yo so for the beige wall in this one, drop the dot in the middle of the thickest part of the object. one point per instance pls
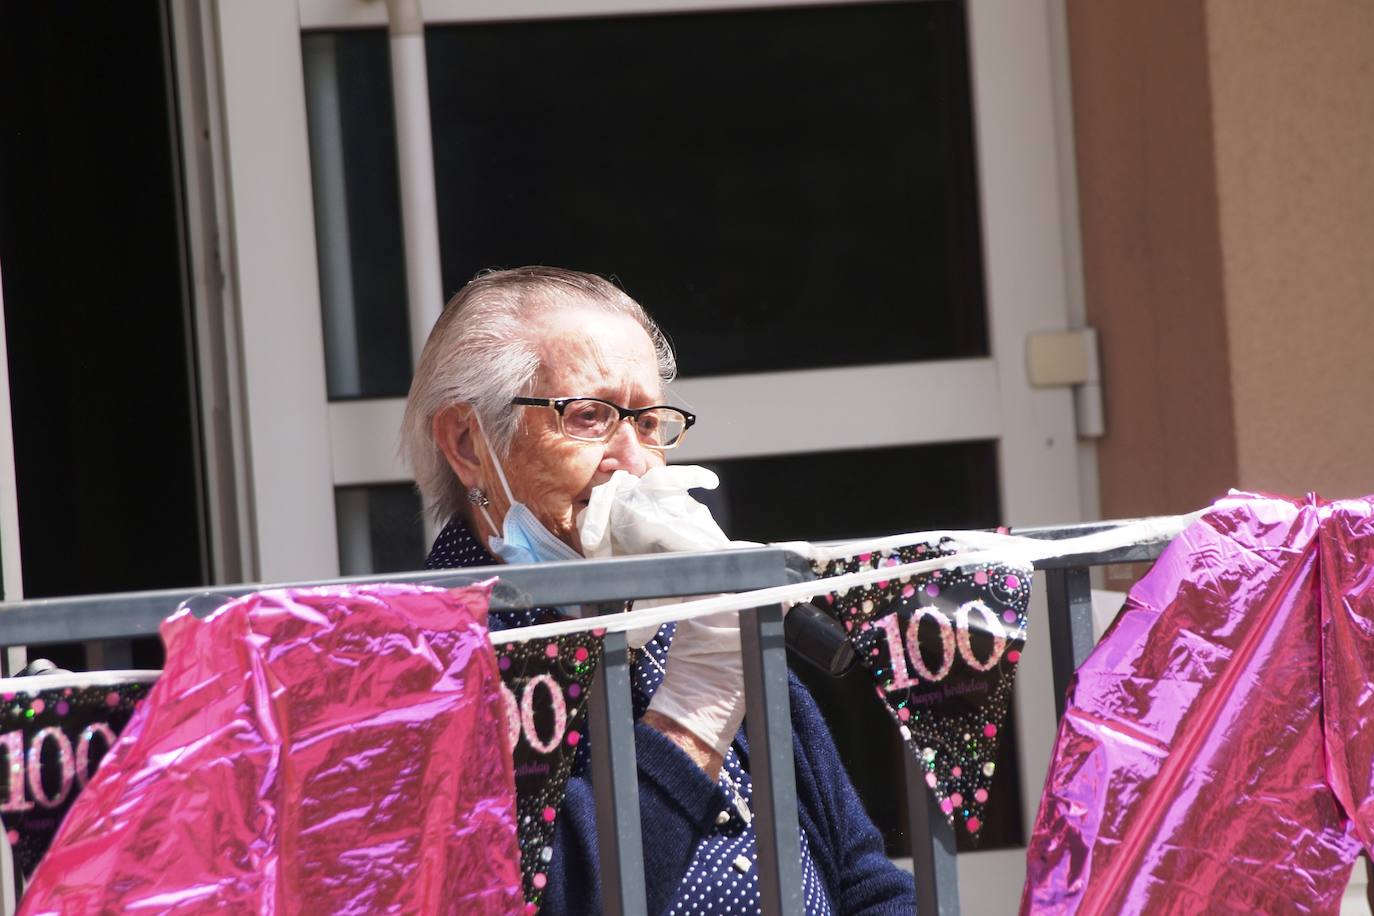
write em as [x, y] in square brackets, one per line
[1293, 116]
[1226, 179]
[1151, 253]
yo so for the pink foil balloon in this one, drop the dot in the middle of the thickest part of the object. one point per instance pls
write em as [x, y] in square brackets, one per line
[1217, 754]
[331, 750]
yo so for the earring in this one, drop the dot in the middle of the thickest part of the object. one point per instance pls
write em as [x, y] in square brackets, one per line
[477, 497]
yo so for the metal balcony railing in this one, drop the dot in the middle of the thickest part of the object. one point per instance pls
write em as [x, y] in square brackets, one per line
[114, 619]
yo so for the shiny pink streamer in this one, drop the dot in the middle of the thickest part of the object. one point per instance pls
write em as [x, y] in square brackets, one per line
[1217, 754]
[331, 750]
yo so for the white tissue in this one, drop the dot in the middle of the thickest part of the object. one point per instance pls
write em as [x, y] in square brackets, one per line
[703, 688]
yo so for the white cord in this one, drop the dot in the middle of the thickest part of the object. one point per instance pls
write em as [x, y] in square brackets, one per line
[989, 548]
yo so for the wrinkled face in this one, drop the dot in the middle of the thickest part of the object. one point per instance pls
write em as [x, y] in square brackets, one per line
[583, 353]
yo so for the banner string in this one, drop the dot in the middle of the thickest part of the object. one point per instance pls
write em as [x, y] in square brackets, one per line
[986, 548]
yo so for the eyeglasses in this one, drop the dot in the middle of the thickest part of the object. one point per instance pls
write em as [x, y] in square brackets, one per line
[594, 420]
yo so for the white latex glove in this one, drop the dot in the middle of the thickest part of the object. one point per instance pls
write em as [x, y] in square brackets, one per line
[703, 688]
[629, 515]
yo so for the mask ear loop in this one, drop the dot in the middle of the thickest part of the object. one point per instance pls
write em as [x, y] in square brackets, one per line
[500, 474]
[480, 502]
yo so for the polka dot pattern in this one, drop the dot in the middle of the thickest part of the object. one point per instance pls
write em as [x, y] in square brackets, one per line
[715, 881]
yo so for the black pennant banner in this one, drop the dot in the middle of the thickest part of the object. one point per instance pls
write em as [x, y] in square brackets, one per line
[942, 648]
[545, 683]
[54, 731]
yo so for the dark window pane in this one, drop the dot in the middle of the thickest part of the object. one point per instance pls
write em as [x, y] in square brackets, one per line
[380, 529]
[823, 496]
[772, 184]
[832, 495]
[357, 214]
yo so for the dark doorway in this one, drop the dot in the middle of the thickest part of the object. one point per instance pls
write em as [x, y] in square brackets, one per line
[96, 306]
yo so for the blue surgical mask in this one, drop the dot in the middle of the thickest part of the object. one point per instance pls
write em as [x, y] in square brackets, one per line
[523, 538]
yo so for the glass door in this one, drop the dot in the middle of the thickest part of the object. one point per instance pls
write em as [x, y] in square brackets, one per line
[848, 216]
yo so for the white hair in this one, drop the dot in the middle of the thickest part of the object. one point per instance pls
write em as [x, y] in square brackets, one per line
[481, 352]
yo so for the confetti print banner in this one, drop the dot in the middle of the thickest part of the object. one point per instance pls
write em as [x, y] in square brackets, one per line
[545, 683]
[54, 731]
[942, 648]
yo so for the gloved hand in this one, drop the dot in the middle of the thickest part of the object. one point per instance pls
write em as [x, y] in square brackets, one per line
[629, 515]
[703, 687]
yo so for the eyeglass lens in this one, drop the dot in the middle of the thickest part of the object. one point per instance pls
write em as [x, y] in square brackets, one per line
[593, 420]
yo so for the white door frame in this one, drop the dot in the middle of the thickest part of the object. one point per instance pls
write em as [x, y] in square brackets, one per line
[1029, 245]
[300, 446]
[275, 284]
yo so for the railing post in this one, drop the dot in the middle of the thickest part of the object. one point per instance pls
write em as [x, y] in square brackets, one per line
[1068, 593]
[615, 781]
[768, 716]
[932, 846]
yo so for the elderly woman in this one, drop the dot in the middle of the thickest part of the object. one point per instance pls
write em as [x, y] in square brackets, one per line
[514, 418]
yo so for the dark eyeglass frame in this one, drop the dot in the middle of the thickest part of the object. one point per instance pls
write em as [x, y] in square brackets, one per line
[558, 405]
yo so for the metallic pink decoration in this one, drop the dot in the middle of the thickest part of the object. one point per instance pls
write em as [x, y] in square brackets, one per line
[1218, 750]
[331, 750]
